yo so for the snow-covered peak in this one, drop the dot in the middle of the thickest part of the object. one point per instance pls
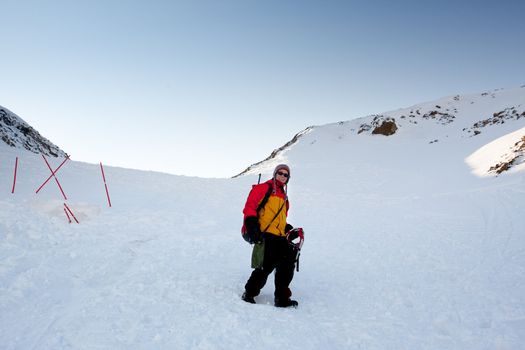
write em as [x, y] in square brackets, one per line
[460, 122]
[15, 132]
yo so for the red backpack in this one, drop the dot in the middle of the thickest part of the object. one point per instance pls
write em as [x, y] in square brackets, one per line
[261, 205]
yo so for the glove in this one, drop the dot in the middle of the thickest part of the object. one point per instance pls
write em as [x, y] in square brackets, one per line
[252, 229]
[288, 228]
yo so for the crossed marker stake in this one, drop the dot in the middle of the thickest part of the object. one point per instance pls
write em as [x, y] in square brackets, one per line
[53, 174]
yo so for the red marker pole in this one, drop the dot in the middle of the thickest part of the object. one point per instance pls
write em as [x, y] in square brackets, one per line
[68, 218]
[14, 177]
[105, 185]
[70, 212]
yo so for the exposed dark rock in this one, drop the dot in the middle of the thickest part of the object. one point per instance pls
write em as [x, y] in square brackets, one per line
[518, 152]
[363, 128]
[387, 128]
[17, 133]
[497, 118]
[380, 125]
[442, 118]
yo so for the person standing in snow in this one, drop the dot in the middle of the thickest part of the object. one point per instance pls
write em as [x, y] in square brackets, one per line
[267, 227]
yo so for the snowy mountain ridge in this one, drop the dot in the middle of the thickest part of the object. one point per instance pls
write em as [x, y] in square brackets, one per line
[458, 116]
[15, 132]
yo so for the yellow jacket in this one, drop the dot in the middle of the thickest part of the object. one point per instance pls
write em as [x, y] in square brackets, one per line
[268, 221]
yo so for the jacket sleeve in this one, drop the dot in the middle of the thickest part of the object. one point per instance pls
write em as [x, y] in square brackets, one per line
[254, 198]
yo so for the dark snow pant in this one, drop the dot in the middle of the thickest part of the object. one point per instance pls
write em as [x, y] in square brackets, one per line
[278, 256]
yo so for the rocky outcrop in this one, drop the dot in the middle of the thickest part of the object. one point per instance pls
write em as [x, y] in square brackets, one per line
[435, 115]
[387, 128]
[516, 157]
[500, 117]
[380, 125]
[17, 133]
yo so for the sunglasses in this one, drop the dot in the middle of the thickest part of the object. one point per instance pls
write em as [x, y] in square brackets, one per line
[282, 174]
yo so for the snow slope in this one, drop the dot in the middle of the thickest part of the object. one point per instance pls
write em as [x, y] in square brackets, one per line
[405, 248]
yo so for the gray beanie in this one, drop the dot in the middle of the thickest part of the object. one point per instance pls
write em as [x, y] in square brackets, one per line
[281, 167]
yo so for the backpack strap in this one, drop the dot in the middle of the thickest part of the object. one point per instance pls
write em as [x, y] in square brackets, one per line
[276, 215]
[265, 199]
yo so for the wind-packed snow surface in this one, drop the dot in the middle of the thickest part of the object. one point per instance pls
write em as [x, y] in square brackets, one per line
[406, 247]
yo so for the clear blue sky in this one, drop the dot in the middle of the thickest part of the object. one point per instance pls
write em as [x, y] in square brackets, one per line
[207, 87]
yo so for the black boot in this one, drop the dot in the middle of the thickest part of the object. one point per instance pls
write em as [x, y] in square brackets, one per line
[286, 303]
[248, 298]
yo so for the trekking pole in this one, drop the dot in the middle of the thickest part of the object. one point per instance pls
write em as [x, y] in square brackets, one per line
[259, 181]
